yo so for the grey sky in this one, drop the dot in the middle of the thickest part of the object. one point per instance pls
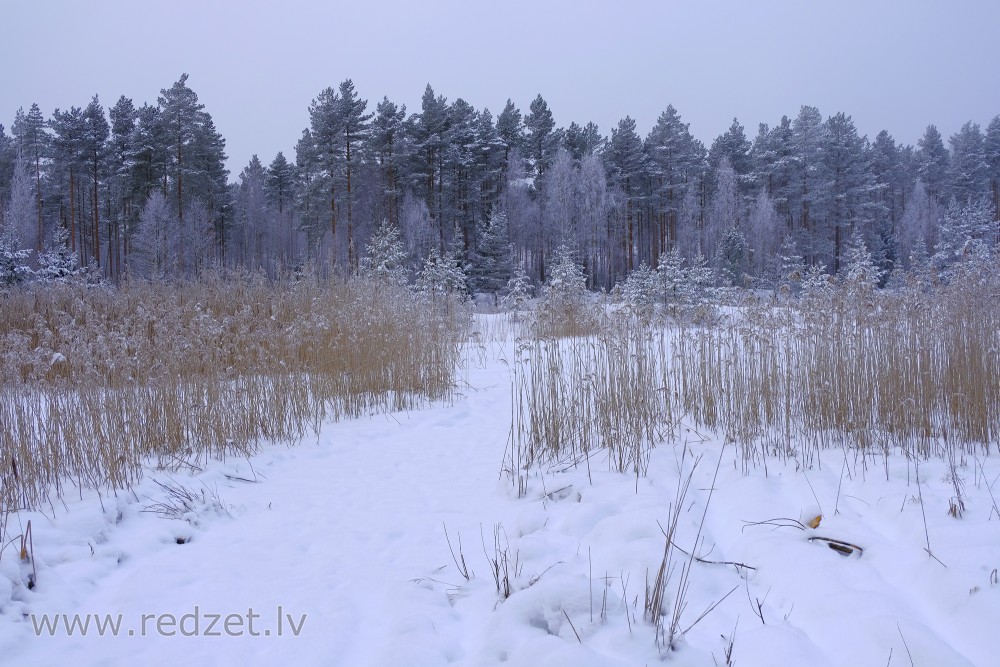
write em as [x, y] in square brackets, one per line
[893, 64]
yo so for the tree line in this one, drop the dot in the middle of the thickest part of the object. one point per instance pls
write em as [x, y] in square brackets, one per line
[145, 190]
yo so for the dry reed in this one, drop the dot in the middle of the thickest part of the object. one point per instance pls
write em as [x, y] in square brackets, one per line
[97, 381]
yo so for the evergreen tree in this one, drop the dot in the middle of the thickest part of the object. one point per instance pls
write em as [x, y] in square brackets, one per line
[791, 267]
[121, 196]
[887, 194]
[582, 141]
[386, 143]
[58, 263]
[991, 151]
[195, 157]
[626, 166]
[8, 156]
[809, 188]
[442, 275]
[966, 231]
[932, 163]
[773, 158]
[861, 274]
[542, 140]
[94, 151]
[67, 170]
[850, 186]
[510, 129]
[385, 259]
[493, 266]
[428, 132]
[734, 147]
[518, 291]
[675, 164]
[731, 256]
[252, 237]
[968, 170]
[354, 127]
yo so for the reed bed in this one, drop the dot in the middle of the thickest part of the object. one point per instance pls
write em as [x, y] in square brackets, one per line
[913, 369]
[97, 382]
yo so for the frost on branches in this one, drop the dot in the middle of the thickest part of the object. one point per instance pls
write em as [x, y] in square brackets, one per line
[58, 263]
[441, 275]
[386, 260]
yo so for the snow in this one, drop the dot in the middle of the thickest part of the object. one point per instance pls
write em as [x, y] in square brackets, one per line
[348, 528]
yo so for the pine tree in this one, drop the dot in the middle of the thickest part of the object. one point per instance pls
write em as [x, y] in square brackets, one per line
[861, 274]
[731, 256]
[442, 275]
[354, 124]
[385, 259]
[968, 170]
[966, 231]
[791, 267]
[121, 196]
[809, 187]
[733, 147]
[542, 140]
[492, 267]
[67, 167]
[510, 129]
[640, 291]
[932, 163]
[518, 291]
[626, 164]
[773, 157]
[195, 158]
[8, 156]
[387, 143]
[58, 263]
[850, 186]
[991, 151]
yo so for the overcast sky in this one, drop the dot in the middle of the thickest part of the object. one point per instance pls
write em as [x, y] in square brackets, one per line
[256, 65]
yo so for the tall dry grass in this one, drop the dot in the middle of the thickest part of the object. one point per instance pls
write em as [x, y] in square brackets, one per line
[915, 369]
[95, 382]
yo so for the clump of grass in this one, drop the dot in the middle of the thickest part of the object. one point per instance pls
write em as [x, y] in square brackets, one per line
[95, 381]
[911, 369]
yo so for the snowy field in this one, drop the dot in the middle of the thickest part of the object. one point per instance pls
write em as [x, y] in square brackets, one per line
[391, 539]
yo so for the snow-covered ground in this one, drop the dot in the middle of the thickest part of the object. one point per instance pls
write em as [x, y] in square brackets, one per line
[348, 535]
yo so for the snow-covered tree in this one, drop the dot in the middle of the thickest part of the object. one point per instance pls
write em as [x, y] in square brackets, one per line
[20, 213]
[791, 267]
[492, 266]
[723, 210]
[763, 229]
[968, 171]
[641, 289]
[518, 292]
[932, 163]
[385, 259]
[966, 230]
[731, 257]
[58, 263]
[442, 275]
[861, 275]
[918, 227]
